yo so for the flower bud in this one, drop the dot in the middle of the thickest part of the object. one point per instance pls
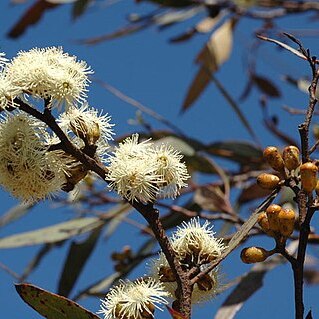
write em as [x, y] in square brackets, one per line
[286, 219]
[264, 224]
[274, 159]
[272, 214]
[308, 175]
[166, 274]
[291, 157]
[268, 181]
[252, 255]
[147, 312]
[206, 283]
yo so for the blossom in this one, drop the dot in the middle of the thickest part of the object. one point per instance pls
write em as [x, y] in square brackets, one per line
[133, 300]
[205, 289]
[195, 246]
[144, 172]
[173, 172]
[3, 61]
[49, 73]
[7, 92]
[27, 169]
[198, 241]
[88, 125]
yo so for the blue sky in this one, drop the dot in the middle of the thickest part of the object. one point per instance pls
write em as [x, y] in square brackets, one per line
[146, 67]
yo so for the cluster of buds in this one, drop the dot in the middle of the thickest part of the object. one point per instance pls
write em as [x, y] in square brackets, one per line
[285, 165]
[276, 222]
[122, 259]
[288, 161]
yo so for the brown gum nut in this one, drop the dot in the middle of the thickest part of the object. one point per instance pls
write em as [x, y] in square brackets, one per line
[317, 187]
[252, 255]
[286, 219]
[308, 175]
[274, 159]
[290, 156]
[268, 181]
[148, 313]
[272, 214]
[166, 274]
[264, 224]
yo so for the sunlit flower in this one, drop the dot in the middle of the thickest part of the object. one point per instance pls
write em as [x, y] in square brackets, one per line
[86, 124]
[3, 61]
[50, 73]
[133, 300]
[196, 241]
[27, 169]
[144, 172]
[7, 92]
[133, 179]
[173, 172]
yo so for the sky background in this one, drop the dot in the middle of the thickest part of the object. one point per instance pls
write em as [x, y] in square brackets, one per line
[156, 73]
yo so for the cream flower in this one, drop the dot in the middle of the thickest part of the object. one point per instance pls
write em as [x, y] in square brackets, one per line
[3, 61]
[7, 92]
[173, 172]
[143, 172]
[196, 241]
[204, 290]
[133, 300]
[86, 124]
[27, 170]
[50, 73]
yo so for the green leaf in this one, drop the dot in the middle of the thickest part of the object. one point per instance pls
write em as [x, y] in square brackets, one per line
[52, 306]
[52, 234]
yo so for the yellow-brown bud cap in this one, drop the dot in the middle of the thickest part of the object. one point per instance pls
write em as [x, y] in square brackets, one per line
[272, 214]
[290, 156]
[308, 175]
[274, 159]
[286, 219]
[252, 255]
[264, 224]
[268, 181]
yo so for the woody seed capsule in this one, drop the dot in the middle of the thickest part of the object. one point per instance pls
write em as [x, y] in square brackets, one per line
[308, 175]
[268, 181]
[291, 157]
[274, 159]
[252, 255]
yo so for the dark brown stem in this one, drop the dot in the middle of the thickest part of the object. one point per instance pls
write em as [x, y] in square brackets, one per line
[184, 292]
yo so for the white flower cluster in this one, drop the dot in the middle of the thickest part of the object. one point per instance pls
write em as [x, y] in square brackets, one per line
[133, 300]
[137, 171]
[144, 172]
[195, 246]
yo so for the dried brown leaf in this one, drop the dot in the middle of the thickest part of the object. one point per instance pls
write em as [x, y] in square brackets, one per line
[32, 16]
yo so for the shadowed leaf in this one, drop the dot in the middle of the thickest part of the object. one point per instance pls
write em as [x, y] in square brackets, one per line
[32, 16]
[52, 234]
[212, 198]
[266, 86]
[77, 257]
[238, 151]
[216, 51]
[252, 192]
[52, 306]
[79, 8]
